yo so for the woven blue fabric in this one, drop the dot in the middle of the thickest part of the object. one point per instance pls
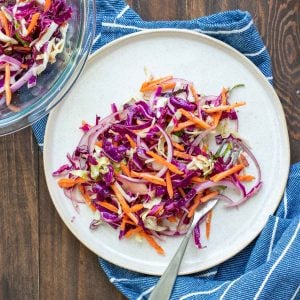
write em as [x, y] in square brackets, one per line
[269, 268]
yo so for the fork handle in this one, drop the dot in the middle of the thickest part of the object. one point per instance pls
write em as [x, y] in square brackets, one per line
[166, 282]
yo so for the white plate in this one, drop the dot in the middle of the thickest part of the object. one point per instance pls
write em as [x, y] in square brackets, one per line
[114, 74]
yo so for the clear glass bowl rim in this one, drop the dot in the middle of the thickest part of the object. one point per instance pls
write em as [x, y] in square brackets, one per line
[47, 102]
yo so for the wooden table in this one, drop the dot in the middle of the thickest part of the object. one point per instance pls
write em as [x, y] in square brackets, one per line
[39, 258]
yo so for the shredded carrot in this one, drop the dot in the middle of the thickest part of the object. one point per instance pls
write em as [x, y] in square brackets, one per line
[148, 177]
[197, 180]
[205, 147]
[194, 119]
[4, 23]
[160, 208]
[136, 207]
[123, 223]
[227, 173]
[183, 125]
[208, 224]
[221, 108]
[181, 191]
[162, 161]
[217, 115]
[182, 155]
[24, 66]
[130, 222]
[99, 144]
[47, 5]
[125, 169]
[178, 146]
[123, 203]
[116, 172]
[194, 93]
[14, 108]
[130, 140]
[172, 219]
[169, 185]
[70, 182]
[158, 80]
[168, 86]
[154, 83]
[7, 84]
[120, 198]
[133, 231]
[165, 86]
[196, 203]
[21, 48]
[133, 218]
[108, 206]
[209, 196]
[33, 23]
[152, 242]
[245, 177]
[86, 197]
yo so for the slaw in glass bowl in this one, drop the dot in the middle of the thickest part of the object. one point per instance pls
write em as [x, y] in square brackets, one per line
[53, 84]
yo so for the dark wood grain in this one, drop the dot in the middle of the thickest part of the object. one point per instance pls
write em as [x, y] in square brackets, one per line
[39, 257]
[280, 28]
[19, 255]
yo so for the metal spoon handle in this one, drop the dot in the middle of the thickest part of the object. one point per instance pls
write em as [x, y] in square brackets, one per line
[164, 287]
[166, 282]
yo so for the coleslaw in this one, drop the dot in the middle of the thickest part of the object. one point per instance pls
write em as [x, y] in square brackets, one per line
[32, 34]
[148, 166]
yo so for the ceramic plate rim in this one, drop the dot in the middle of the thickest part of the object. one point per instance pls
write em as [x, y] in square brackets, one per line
[280, 116]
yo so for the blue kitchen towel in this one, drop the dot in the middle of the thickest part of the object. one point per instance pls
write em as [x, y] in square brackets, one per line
[269, 268]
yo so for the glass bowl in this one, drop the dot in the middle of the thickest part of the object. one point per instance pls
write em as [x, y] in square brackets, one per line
[58, 78]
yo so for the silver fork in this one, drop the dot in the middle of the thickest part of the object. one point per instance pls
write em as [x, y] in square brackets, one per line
[164, 287]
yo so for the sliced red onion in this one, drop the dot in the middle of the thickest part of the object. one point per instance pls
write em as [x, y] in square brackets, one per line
[248, 151]
[251, 193]
[199, 138]
[95, 224]
[24, 79]
[182, 81]
[90, 137]
[175, 232]
[10, 60]
[239, 185]
[71, 194]
[128, 198]
[169, 151]
[224, 198]
[141, 143]
[135, 186]
[158, 236]
[210, 184]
